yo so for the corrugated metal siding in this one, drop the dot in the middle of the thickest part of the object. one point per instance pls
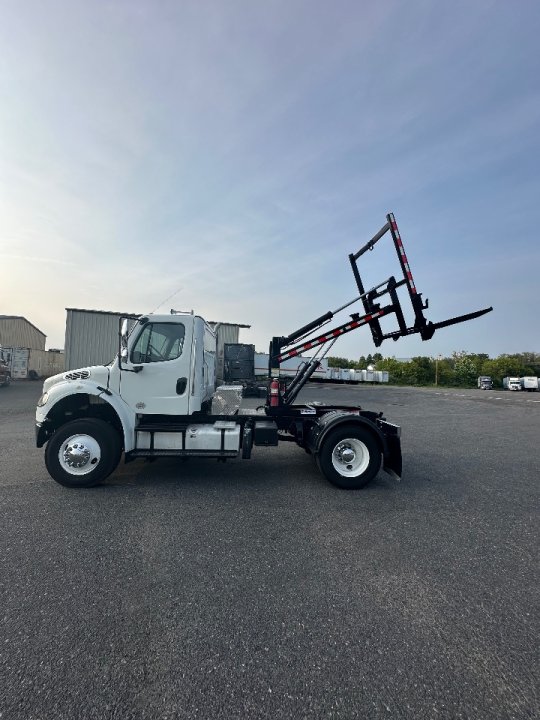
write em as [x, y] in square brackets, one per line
[46, 362]
[91, 338]
[19, 332]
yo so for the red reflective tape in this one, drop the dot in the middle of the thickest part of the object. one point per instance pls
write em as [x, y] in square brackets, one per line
[292, 353]
[411, 282]
[308, 346]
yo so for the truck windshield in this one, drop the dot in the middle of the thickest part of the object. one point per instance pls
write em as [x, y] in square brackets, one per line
[159, 342]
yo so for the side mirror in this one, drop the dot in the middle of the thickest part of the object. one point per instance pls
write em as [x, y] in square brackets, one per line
[123, 341]
[123, 350]
[124, 331]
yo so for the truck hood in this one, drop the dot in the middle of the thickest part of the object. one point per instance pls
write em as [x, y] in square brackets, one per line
[97, 374]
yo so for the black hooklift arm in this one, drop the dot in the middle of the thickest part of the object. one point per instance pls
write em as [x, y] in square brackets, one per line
[280, 349]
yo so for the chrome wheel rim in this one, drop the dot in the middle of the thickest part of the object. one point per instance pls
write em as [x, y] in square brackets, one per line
[350, 457]
[79, 454]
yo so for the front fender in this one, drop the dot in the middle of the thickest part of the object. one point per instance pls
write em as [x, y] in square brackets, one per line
[48, 415]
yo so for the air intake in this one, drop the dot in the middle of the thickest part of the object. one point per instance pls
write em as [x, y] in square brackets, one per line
[77, 375]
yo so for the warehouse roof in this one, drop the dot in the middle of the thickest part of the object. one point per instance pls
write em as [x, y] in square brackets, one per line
[104, 312]
[219, 322]
[134, 315]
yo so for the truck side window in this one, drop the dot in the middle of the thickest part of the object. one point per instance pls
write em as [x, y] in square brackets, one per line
[159, 342]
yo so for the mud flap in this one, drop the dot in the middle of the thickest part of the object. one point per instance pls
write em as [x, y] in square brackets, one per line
[392, 463]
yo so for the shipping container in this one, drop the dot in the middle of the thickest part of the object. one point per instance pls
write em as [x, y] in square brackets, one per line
[18, 361]
[226, 334]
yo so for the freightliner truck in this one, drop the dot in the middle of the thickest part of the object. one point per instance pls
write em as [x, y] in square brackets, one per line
[158, 397]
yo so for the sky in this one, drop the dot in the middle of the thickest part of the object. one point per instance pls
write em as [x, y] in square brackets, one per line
[226, 157]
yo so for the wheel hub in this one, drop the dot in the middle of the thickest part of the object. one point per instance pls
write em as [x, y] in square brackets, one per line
[346, 454]
[79, 454]
[76, 455]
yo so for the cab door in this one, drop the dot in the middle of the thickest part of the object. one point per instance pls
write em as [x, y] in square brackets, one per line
[155, 378]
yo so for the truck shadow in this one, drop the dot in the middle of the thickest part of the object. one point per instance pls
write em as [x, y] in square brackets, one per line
[271, 470]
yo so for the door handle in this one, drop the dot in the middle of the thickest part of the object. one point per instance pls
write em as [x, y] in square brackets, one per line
[181, 385]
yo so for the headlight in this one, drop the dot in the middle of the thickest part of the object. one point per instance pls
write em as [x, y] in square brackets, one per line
[43, 399]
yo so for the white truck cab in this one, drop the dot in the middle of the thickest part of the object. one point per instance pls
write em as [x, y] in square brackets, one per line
[167, 365]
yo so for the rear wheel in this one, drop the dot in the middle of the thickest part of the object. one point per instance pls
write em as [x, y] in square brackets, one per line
[350, 457]
[82, 453]
[7, 381]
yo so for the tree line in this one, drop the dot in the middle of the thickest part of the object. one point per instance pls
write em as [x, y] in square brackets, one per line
[461, 369]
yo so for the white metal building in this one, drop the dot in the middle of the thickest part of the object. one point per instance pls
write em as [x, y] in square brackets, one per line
[24, 348]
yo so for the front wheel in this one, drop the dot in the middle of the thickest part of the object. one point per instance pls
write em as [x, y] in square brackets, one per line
[350, 457]
[82, 453]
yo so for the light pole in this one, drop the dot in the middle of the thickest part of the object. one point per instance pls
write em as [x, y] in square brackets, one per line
[439, 357]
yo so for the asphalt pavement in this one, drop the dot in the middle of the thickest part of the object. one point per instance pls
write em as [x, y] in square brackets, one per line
[255, 589]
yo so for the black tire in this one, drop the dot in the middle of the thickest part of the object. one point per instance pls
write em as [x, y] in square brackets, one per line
[90, 456]
[360, 447]
[7, 381]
